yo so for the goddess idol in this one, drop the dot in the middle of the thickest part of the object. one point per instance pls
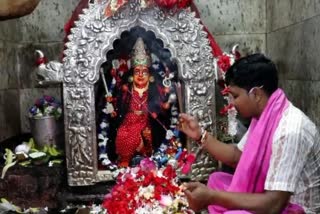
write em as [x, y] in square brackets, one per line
[143, 113]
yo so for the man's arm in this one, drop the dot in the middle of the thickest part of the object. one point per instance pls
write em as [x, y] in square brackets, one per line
[268, 202]
[199, 197]
[228, 154]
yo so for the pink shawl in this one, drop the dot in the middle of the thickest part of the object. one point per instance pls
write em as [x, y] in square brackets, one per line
[251, 172]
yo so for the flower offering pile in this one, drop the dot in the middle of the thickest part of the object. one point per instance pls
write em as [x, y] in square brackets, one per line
[46, 106]
[147, 189]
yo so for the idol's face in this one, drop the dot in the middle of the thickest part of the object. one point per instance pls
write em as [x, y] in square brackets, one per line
[141, 76]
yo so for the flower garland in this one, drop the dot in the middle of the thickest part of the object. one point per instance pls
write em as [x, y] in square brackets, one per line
[146, 189]
[114, 5]
[223, 63]
[108, 113]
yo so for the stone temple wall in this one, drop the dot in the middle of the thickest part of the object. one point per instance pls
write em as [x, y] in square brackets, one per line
[293, 33]
[19, 38]
[233, 22]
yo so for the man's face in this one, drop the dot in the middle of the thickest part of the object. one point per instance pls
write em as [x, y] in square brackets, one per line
[141, 76]
[243, 101]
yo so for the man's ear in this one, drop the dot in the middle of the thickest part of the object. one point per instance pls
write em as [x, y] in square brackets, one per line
[259, 93]
[257, 97]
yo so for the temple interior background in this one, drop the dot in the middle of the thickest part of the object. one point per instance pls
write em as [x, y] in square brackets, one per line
[286, 30]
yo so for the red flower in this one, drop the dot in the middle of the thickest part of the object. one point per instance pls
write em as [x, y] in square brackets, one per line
[123, 197]
[147, 180]
[147, 165]
[225, 91]
[113, 72]
[41, 60]
[157, 194]
[166, 3]
[154, 115]
[169, 172]
[237, 55]
[182, 157]
[123, 67]
[110, 11]
[183, 3]
[185, 161]
[224, 62]
[225, 109]
[190, 159]
[109, 99]
[125, 88]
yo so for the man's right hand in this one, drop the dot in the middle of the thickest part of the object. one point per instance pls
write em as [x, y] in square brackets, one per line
[190, 126]
[226, 153]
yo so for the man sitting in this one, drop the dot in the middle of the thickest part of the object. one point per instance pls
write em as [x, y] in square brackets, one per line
[277, 162]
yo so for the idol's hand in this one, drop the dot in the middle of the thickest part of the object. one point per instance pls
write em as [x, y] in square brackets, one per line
[190, 126]
[140, 147]
[146, 134]
[198, 195]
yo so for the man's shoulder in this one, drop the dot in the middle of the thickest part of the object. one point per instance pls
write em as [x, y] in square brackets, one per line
[296, 115]
[295, 121]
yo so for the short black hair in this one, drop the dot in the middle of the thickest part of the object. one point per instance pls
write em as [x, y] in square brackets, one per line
[253, 71]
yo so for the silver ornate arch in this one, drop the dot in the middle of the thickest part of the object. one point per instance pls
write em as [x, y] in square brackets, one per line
[90, 39]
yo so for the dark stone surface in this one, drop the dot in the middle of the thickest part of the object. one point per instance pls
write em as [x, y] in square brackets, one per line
[43, 186]
[36, 186]
[9, 113]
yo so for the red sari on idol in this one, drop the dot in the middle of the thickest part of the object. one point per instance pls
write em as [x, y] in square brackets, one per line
[129, 134]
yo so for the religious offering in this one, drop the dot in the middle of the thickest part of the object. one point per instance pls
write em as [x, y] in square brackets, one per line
[147, 189]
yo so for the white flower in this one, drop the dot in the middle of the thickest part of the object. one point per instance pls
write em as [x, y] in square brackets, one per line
[48, 110]
[115, 173]
[166, 200]
[38, 114]
[143, 4]
[169, 134]
[146, 192]
[113, 5]
[106, 162]
[104, 141]
[115, 64]
[59, 110]
[232, 121]
[96, 209]
[108, 109]
[22, 148]
[103, 125]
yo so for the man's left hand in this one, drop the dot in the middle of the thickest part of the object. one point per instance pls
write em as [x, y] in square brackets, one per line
[199, 196]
